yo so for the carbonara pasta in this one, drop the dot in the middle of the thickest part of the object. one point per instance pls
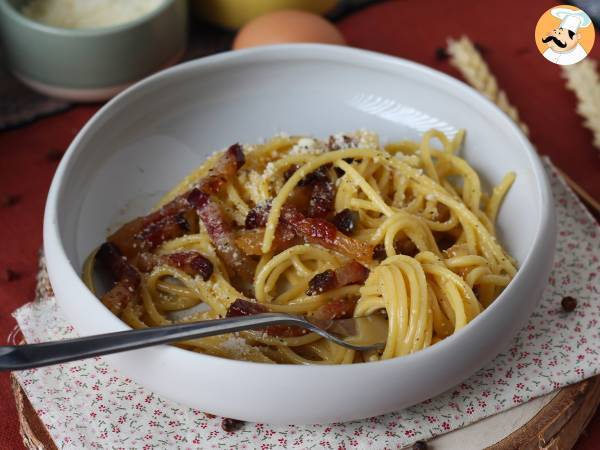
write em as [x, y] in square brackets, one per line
[329, 228]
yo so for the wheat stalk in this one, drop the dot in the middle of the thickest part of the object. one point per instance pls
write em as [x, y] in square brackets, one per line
[582, 78]
[465, 57]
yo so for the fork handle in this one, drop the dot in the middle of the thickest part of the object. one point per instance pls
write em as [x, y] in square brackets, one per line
[29, 356]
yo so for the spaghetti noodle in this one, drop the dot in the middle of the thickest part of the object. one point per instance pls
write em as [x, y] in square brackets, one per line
[336, 228]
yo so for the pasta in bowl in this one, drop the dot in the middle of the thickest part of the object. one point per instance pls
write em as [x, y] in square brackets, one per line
[332, 228]
[142, 142]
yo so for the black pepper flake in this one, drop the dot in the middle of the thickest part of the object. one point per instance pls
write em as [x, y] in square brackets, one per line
[441, 54]
[54, 154]
[420, 445]
[231, 425]
[8, 200]
[10, 275]
[568, 303]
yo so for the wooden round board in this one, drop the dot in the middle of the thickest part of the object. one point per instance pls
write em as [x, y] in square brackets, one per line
[554, 421]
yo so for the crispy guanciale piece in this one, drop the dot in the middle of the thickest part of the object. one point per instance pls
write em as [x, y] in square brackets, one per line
[346, 221]
[339, 308]
[310, 229]
[257, 217]
[299, 198]
[190, 262]
[242, 307]
[321, 199]
[175, 218]
[126, 277]
[221, 234]
[406, 247]
[379, 253]
[402, 246]
[166, 229]
[317, 175]
[250, 241]
[350, 273]
[145, 233]
[225, 168]
[322, 232]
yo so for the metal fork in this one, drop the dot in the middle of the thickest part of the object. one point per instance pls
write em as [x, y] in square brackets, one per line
[362, 334]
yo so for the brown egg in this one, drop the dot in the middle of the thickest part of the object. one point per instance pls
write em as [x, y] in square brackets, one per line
[287, 26]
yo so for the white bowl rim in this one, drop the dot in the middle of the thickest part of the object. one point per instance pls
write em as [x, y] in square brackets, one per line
[273, 53]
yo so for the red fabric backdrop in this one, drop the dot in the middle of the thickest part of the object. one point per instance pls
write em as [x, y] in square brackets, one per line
[411, 29]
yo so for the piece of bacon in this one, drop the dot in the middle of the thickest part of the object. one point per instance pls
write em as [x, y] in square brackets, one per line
[250, 241]
[346, 221]
[242, 307]
[309, 229]
[175, 218]
[299, 199]
[257, 217]
[147, 232]
[221, 234]
[322, 232]
[321, 173]
[350, 273]
[339, 308]
[321, 199]
[379, 252]
[225, 168]
[190, 262]
[166, 229]
[402, 246]
[406, 247]
[126, 277]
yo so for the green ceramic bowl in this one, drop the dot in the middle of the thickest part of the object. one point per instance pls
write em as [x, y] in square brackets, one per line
[91, 64]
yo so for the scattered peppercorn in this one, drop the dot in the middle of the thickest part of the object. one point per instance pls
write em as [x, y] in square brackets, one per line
[8, 200]
[231, 425]
[441, 54]
[54, 154]
[420, 445]
[10, 275]
[568, 303]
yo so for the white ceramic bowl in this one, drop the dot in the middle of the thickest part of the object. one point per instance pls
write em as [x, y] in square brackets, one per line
[146, 139]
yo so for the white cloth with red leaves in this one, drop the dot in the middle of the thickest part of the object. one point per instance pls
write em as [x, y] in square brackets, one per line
[87, 404]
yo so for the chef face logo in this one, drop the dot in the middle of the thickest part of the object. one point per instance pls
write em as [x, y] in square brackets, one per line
[561, 40]
[564, 35]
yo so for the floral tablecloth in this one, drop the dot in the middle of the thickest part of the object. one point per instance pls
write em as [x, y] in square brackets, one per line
[88, 404]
